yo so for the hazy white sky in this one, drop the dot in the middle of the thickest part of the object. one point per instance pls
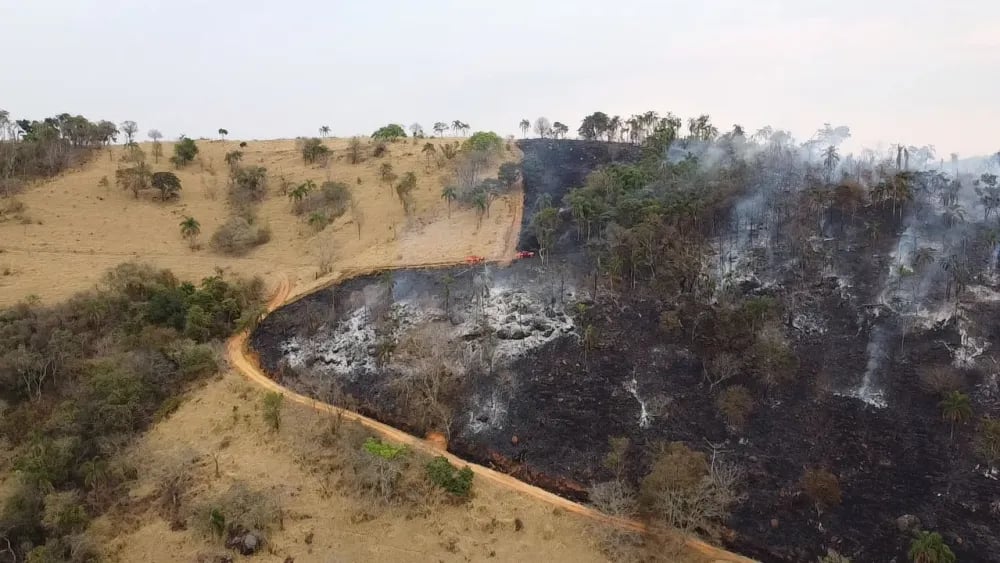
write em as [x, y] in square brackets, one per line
[914, 71]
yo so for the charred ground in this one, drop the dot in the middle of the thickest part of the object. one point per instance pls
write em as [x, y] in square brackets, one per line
[592, 356]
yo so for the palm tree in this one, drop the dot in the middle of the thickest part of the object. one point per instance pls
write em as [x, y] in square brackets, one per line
[482, 204]
[190, 229]
[953, 214]
[923, 257]
[449, 193]
[457, 126]
[929, 547]
[956, 409]
[324, 131]
[223, 133]
[830, 160]
[524, 125]
[429, 151]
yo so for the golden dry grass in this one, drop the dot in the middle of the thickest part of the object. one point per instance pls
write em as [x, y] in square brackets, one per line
[281, 464]
[80, 229]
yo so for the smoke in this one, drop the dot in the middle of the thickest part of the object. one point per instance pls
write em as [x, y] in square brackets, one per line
[937, 252]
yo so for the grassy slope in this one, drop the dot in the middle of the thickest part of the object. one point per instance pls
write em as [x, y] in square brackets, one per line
[86, 229]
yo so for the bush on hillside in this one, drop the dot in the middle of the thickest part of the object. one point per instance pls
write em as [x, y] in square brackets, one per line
[185, 150]
[389, 133]
[445, 475]
[314, 151]
[237, 236]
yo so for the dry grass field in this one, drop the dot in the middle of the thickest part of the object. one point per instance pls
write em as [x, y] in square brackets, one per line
[74, 229]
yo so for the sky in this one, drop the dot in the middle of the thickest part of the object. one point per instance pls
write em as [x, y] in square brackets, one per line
[917, 72]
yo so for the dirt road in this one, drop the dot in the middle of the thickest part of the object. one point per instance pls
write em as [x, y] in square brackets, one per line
[243, 360]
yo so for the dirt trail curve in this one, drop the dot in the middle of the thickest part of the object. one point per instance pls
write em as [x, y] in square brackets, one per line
[244, 360]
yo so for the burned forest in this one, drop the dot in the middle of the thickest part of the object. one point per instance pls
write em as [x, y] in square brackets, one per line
[776, 345]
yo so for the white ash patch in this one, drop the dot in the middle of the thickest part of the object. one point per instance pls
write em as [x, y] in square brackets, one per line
[487, 413]
[983, 294]
[645, 415]
[928, 318]
[809, 324]
[970, 348]
[348, 347]
[519, 321]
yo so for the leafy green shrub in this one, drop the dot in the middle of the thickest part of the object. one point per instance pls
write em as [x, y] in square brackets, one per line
[313, 151]
[193, 360]
[272, 409]
[509, 174]
[445, 475]
[332, 200]
[383, 450]
[390, 133]
[237, 236]
[185, 150]
[168, 183]
[929, 547]
[484, 141]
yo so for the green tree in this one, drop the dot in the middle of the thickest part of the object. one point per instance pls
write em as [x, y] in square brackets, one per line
[544, 225]
[449, 193]
[134, 179]
[190, 229]
[324, 131]
[313, 150]
[185, 150]
[483, 141]
[524, 125]
[955, 409]
[223, 133]
[440, 127]
[389, 132]
[509, 174]
[559, 130]
[168, 183]
[594, 125]
[929, 547]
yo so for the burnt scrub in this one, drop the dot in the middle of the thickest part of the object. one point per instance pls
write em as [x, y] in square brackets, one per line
[532, 368]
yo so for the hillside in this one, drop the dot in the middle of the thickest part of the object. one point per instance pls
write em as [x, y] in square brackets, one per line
[826, 334]
[75, 229]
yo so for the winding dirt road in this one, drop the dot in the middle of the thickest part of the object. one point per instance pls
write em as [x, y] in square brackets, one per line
[244, 360]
